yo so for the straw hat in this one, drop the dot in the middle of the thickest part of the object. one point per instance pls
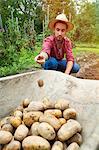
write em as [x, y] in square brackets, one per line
[61, 17]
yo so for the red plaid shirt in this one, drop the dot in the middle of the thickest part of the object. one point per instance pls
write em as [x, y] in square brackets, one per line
[49, 46]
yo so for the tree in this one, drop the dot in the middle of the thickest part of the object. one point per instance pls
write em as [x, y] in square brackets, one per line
[38, 21]
[85, 23]
[25, 10]
[59, 6]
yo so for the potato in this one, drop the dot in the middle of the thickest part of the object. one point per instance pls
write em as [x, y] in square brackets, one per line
[13, 145]
[18, 113]
[34, 128]
[52, 120]
[5, 137]
[20, 108]
[47, 103]
[69, 113]
[35, 143]
[73, 146]
[57, 146]
[35, 105]
[76, 138]
[5, 120]
[21, 132]
[30, 117]
[15, 121]
[40, 83]
[68, 130]
[56, 112]
[62, 121]
[26, 102]
[8, 127]
[62, 104]
[46, 131]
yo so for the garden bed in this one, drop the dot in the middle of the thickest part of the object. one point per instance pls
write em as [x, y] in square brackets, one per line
[89, 67]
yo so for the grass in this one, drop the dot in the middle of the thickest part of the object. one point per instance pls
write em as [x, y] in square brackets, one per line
[80, 50]
[88, 45]
[85, 48]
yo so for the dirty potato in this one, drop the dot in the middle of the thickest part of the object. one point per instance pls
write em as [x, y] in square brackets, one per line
[18, 113]
[62, 104]
[68, 130]
[35, 143]
[8, 127]
[21, 132]
[20, 108]
[52, 120]
[62, 121]
[26, 102]
[69, 113]
[5, 137]
[13, 145]
[48, 104]
[40, 83]
[15, 121]
[76, 138]
[35, 106]
[30, 117]
[73, 146]
[46, 131]
[57, 146]
[56, 112]
[4, 121]
[34, 128]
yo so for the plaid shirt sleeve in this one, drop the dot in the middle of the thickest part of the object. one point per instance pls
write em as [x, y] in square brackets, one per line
[69, 54]
[46, 47]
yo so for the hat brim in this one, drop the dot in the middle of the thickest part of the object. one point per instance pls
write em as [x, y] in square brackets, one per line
[52, 23]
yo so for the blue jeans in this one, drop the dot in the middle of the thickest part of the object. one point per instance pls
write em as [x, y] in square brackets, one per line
[59, 65]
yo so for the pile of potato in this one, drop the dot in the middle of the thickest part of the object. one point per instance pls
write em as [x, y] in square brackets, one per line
[41, 125]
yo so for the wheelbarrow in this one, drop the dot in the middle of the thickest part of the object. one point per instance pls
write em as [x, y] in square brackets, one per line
[83, 96]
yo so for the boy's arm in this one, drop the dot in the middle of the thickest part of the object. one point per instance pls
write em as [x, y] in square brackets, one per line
[69, 67]
[45, 52]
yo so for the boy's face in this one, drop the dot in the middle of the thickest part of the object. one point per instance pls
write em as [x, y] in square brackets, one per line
[60, 30]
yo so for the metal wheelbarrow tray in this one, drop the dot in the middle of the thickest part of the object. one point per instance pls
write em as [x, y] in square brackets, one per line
[82, 94]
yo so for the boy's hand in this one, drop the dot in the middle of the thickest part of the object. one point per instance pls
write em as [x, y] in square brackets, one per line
[40, 59]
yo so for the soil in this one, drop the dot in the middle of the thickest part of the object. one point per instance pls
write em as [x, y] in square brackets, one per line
[89, 64]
